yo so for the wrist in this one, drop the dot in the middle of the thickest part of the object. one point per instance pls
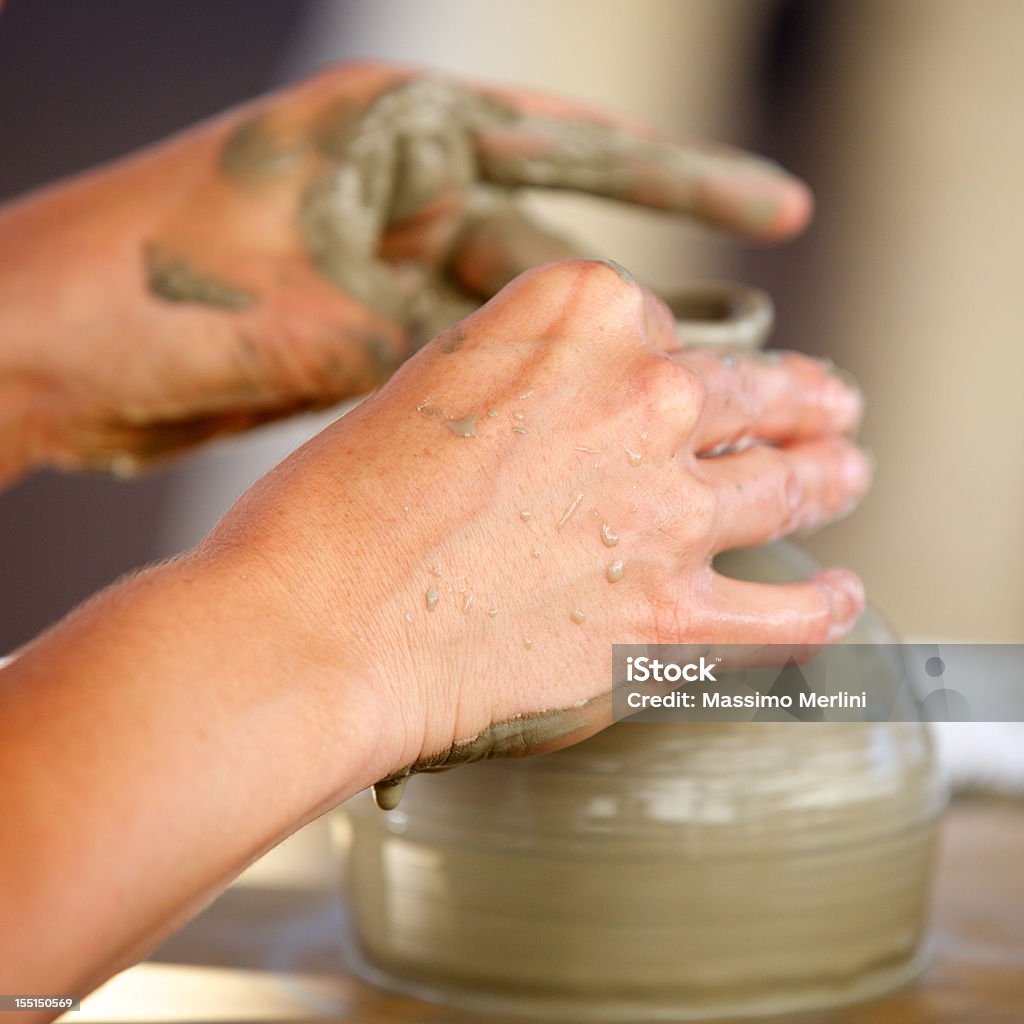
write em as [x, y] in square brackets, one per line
[262, 621]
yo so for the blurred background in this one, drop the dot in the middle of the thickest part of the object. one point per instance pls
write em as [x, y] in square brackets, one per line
[906, 117]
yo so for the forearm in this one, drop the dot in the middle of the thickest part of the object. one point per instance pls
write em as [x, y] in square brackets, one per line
[194, 735]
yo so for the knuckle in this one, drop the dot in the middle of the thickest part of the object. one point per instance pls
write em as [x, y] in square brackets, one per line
[674, 394]
[593, 291]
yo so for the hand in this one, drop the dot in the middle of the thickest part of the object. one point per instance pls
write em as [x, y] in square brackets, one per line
[437, 577]
[537, 484]
[293, 252]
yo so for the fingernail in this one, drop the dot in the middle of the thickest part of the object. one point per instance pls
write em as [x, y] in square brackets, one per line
[856, 471]
[846, 596]
[619, 269]
[844, 396]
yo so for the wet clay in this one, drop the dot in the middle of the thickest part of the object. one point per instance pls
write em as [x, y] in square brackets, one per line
[253, 152]
[176, 280]
[428, 139]
[597, 158]
[656, 872]
[513, 737]
[386, 163]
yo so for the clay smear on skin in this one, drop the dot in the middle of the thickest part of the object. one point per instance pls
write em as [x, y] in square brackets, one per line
[253, 152]
[382, 167]
[513, 737]
[173, 278]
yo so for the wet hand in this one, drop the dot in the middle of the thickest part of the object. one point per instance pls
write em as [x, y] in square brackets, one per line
[551, 476]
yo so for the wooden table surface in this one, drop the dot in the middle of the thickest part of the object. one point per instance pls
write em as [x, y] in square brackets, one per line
[274, 954]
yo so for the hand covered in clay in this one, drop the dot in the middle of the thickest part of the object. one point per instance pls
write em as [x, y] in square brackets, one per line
[293, 252]
[539, 483]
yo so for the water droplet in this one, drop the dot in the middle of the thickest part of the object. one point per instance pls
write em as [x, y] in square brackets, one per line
[405, 508]
[493, 413]
[614, 572]
[643, 436]
[408, 616]
[608, 536]
[467, 603]
[519, 430]
[634, 458]
[525, 394]
[492, 612]
[527, 643]
[466, 427]
[431, 597]
[519, 415]
[535, 552]
[525, 514]
[577, 616]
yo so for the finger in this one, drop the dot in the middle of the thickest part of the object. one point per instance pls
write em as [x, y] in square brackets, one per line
[766, 492]
[820, 610]
[574, 148]
[774, 396]
[499, 242]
